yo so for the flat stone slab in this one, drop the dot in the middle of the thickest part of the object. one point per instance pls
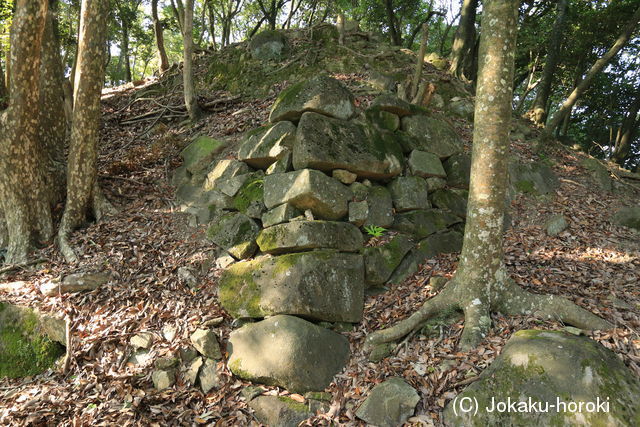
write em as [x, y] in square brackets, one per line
[433, 134]
[265, 145]
[557, 370]
[319, 285]
[424, 164]
[224, 169]
[326, 144]
[289, 352]
[453, 200]
[308, 189]
[305, 235]
[409, 192]
[279, 214]
[320, 94]
[236, 233]
[421, 223]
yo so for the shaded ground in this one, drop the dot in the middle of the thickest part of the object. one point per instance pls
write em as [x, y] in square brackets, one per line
[593, 263]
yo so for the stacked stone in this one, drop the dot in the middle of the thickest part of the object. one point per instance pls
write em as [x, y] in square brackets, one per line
[295, 201]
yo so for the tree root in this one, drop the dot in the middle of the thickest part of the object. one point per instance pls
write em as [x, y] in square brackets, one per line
[508, 298]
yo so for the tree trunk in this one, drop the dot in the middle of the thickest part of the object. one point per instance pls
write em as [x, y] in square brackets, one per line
[539, 107]
[3, 88]
[126, 60]
[417, 75]
[52, 126]
[340, 25]
[481, 284]
[567, 105]
[25, 204]
[178, 12]
[627, 132]
[212, 23]
[83, 194]
[157, 29]
[464, 41]
[190, 99]
[396, 37]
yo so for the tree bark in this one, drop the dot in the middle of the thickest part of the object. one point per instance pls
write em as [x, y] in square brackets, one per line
[392, 23]
[627, 132]
[52, 126]
[124, 54]
[340, 26]
[157, 29]
[3, 88]
[83, 194]
[417, 75]
[464, 41]
[539, 107]
[190, 98]
[567, 105]
[25, 204]
[481, 283]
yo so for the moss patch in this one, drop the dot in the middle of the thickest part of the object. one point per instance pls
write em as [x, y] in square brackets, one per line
[251, 191]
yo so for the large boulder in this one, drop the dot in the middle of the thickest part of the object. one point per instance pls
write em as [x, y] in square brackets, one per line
[389, 404]
[571, 380]
[288, 352]
[267, 144]
[433, 134]
[535, 178]
[236, 233]
[320, 94]
[320, 285]
[307, 189]
[197, 155]
[267, 45]
[458, 169]
[305, 235]
[628, 217]
[392, 104]
[423, 222]
[425, 165]
[381, 261]
[327, 144]
[454, 200]
[409, 192]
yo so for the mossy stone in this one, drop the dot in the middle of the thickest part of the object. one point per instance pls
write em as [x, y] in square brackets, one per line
[200, 153]
[381, 261]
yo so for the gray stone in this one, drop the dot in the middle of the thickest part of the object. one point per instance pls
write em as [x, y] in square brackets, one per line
[197, 155]
[282, 165]
[320, 94]
[265, 145]
[556, 225]
[433, 134]
[453, 200]
[382, 119]
[208, 376]
[381, 261]
[289, 352]
[163, 378]
[344, 176]
[461, 107]
[180, 176]
[628, 217]
[534, 178]
[142, 340]
[192, 369]
[553, 368]
[326, 144]
[392, 104]
[188, 354]
[380, 206]
[141, 357]
[236, 233]
[308, 189]
[423, 222]
[409, 192]
[169, 332]
[445, 242]
[279, 214]
[224, 260]
[389, 404]
[306, 235]
[165, 363]
[458, 169]
[226, 168]
[187, 275]
[434, 184]
[267, 45]
[599, 173]
[206, 342]
[358, 213]
[249, 199]
[230, 186]
[77, 282]
[425, 165]
[282, 411]
[319, 285]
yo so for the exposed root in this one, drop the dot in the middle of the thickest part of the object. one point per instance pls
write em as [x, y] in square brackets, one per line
[65, 247]
[508, 298]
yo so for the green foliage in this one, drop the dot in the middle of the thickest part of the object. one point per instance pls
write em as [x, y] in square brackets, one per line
[374, 230]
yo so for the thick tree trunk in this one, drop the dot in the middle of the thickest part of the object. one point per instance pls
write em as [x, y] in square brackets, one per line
[340, 25]
[190, 99]
[3, 88]
[25, 203]
[83, 194]
[539, 107]
[567, 105]
[464, 41]
[178, 12]
[52, 126]
[124, 46]
[627, 132]
[212, 24]
[392, 23]
[157, 29]
[481, 283]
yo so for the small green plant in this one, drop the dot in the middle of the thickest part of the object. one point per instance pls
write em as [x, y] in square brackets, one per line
[374, 230]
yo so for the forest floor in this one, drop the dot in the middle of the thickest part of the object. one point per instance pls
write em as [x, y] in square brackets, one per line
[593, 263]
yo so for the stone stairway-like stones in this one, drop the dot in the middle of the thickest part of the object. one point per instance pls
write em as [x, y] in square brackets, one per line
[292, 210]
